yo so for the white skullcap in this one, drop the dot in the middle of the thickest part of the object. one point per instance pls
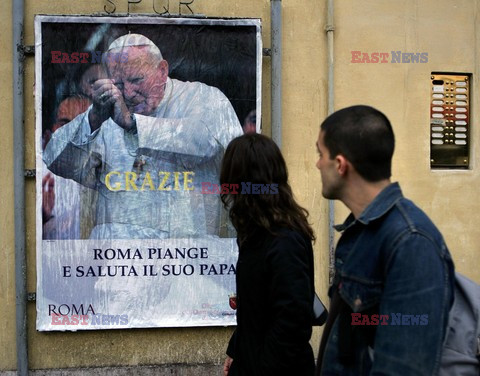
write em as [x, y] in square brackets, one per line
[134, 40]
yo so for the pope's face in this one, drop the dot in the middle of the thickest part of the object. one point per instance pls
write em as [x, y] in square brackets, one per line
[141, 79]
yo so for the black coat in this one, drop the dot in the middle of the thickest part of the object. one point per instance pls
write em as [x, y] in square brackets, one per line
[275, 290]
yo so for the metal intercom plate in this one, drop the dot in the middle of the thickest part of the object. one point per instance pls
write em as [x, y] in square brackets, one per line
[449, 120]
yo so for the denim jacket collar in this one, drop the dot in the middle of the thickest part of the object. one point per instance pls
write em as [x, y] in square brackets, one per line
[380, 205]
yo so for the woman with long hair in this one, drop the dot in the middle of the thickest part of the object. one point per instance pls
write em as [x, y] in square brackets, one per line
[274, 275]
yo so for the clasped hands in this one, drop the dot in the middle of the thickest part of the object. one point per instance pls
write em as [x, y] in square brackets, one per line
[108, 102]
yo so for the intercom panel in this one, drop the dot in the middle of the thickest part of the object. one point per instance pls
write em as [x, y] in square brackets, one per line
[449, 120]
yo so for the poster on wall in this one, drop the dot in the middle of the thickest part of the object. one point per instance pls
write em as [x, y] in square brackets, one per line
[133, 115]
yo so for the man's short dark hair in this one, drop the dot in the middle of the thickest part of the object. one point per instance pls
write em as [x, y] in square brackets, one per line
[365, 137]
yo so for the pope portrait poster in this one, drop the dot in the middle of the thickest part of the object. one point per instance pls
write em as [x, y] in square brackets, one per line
[133, 115]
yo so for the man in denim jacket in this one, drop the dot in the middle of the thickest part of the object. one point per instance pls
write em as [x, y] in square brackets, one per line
[393, 284]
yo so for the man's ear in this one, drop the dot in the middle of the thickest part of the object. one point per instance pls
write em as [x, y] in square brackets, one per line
[342, 164]
[163, 69]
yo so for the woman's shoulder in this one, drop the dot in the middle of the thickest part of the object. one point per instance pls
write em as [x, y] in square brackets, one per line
[290, 250]
[277, 238]
[290, 239]
[290, 233]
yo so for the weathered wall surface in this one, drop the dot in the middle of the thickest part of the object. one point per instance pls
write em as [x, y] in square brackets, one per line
[448, 32]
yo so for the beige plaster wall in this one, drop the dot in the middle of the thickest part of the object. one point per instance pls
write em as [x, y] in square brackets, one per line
[400, 90]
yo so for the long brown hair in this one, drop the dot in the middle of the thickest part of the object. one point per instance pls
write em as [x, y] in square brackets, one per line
[256, 159]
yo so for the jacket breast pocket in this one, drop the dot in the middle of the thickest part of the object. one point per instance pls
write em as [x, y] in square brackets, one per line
[360, 295]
